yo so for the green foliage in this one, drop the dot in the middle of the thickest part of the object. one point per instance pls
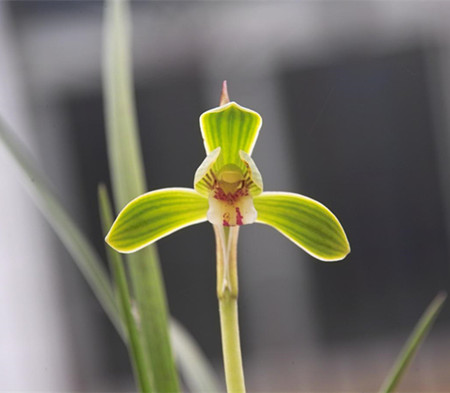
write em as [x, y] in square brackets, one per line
[229, 133]
[128, 179]
[79, 247]
[199, 376]
[135, 347]
[413, 343]
[87, 258]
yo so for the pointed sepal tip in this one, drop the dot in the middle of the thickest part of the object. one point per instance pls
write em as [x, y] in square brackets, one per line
[224, 97]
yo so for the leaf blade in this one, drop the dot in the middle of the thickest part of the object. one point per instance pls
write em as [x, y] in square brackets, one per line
[304, 221]
[140, 363]
[128, 179]
[197, 371]
[83, 253]
[124, 153]
[413, 343]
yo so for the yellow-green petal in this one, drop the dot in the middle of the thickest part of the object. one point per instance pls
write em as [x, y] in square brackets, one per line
[154, 215]
[253, 177]
[231, 127]
[306, 222]
[204, 176]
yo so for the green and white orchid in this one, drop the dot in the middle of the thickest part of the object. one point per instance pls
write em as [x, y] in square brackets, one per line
[228, 191]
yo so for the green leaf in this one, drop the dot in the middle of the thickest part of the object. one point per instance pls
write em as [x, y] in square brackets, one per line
[198, 373]
[154, 215]
[306, 222]
[128, 180]
[137, 354]
[124, 153]
[151, 306]
[411, 346]
[90, 264]
[233, 128]
[81, 250]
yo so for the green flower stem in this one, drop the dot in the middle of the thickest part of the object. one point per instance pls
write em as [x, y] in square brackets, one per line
[227, 293]
[137, 355]
[231, 345]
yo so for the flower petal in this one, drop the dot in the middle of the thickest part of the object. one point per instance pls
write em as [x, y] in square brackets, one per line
[233, 128]
[204, 176]
[154, 215]
[306, 222]
[254, 182]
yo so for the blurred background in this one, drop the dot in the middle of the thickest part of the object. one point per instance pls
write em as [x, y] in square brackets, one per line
[355, 98]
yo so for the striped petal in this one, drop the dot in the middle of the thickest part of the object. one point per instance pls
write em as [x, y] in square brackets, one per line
[253, 178]
[154, 215]
[306, 222]
[205, 176]
[233, 128]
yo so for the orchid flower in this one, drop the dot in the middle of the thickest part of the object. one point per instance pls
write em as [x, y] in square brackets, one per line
[228, 192]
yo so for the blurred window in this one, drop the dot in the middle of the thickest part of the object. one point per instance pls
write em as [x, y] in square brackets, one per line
[365, 146]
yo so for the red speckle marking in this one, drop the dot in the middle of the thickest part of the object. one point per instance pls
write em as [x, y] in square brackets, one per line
[226, 220]
[239, 217]
[220, 194]
[230, 198]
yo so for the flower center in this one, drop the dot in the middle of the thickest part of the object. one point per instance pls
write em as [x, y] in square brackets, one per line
[230, 203]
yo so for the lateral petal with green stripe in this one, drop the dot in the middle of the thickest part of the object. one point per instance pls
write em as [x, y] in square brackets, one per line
[306, 222]
[154, 215]
[231, 127]
[204, 176]
[253, 176]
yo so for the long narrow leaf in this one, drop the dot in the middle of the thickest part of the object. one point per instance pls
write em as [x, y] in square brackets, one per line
[198, 373]
[128, 181]
[139, 361]
[124, 154]
[69, 233]
[413, 343]
[89, 261]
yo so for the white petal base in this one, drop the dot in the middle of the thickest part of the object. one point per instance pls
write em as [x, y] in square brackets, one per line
[227, 213]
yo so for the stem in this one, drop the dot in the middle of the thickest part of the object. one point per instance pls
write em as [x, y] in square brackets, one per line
[227, 293]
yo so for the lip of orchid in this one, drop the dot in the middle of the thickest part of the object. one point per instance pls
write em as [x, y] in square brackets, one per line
[229, 186]
[230, 203]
